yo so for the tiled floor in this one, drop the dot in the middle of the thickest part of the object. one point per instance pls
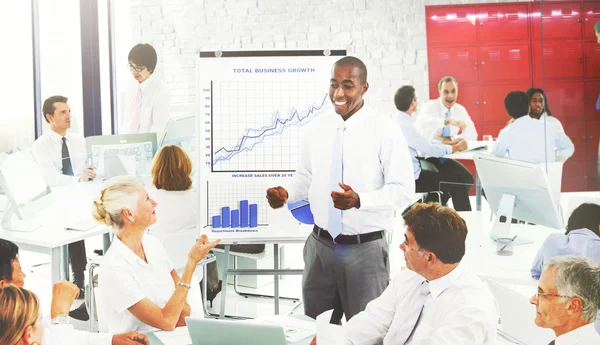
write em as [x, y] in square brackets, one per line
[37, 268]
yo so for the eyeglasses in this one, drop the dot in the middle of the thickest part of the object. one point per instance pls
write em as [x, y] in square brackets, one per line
[546, 295]
[137, 69]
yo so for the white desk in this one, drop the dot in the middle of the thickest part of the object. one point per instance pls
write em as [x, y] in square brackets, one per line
[72, 203]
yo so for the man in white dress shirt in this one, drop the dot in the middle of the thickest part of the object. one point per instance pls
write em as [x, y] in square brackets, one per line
[443, 118]
[528, 139]
[147, 101]
[568, 300]
[453, 178]
[355, 169]
[61, 156]
[436, 300]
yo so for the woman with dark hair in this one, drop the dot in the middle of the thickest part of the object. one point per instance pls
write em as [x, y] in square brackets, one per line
[581, 238]
[539, 109]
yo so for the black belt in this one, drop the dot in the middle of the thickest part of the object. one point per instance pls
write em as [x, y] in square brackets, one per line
[348, 239]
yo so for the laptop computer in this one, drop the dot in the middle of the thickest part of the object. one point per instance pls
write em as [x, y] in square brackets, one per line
[225, 332]
[517, 316]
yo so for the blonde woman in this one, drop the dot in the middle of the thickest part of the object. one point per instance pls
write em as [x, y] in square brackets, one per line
[140, 289]
[20, 317]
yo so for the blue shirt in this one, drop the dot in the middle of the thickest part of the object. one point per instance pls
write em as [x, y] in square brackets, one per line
[418, 143]
[578, 242]
[524, 140]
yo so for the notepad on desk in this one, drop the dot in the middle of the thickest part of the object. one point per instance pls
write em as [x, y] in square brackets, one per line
[477, 145]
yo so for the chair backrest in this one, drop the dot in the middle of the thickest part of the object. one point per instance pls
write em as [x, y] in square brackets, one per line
[177, 246]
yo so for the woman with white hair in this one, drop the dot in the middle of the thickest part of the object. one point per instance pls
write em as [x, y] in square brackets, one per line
[141, 291]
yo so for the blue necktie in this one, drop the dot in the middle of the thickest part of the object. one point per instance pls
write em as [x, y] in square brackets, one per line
[447, 130]
[334, 224]
[598, 103]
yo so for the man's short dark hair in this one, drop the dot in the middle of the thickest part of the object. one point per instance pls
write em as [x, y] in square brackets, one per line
[597, 27]
[143, 55]
[8, 253]
[517, 104]
[404, 97]
[438, 229]
[356, 62]
[48, 107]
[586, 216]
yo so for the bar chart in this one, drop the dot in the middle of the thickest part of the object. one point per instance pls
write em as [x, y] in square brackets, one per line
[237, 204]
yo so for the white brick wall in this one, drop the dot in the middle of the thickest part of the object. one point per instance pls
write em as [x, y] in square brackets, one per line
[388, 35]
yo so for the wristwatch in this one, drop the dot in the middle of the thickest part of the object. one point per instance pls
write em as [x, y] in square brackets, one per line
[61, 319]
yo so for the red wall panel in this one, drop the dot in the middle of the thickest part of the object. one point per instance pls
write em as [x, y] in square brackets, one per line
[492, 101]
[592, 60]
[560, 59]
[447, 24]
[591, 15]
[593, 133]
[459, 62]
[510, 20]
[577, 133]
[560, 20]
[565, 98]
[575, 176]
[504, 62]
[592, 90]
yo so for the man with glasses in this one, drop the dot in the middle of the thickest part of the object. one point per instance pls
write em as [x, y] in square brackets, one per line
[568, 300]
[147, 102]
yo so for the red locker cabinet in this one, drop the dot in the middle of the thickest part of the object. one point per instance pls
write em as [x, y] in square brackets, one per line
[591, 15]
[560, 20]
[509, 20]
[592, 91]
[447, 24]
[492, 101]
[504, 62]
[459, 62]
[575, 176]
[468, 97]
[577, 133]
[560, 59]
[566, 99]
[593, 133]
[592, 60]
[593, 176]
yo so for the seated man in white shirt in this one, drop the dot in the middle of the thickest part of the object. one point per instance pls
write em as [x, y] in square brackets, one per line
[63, 295]
[445, 119]
[528, 139]
[147, 101]
[568, 299]
[61, 156]
[436, 300]
[457, 175]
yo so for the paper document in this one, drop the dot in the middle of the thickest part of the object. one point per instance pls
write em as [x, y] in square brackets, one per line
[294, 329]
[328, 333]
[477, 145]
[180, 336]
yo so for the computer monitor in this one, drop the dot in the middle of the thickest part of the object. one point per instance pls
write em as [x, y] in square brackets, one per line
[520, 190]
[101, 150]
[180, 130]
[26, 190]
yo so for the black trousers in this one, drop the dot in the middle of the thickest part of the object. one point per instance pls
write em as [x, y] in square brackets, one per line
[77, 256]
[458, 175]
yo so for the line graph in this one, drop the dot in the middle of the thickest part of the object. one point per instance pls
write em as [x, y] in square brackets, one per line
[258, 125]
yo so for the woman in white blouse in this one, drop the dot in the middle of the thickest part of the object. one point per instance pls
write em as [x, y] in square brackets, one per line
[140, 289]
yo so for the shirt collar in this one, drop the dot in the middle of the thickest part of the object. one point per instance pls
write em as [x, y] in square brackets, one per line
[585, 231]
[145, 83]
[126, 253]
[441, 103]
[437, 286]
[357, 119]
[576, 335]
[57, 137]
[524, 118]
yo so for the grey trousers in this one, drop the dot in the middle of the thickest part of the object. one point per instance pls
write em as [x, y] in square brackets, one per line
[343, 277]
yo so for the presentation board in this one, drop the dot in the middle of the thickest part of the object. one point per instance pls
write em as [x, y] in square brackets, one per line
[253, 110]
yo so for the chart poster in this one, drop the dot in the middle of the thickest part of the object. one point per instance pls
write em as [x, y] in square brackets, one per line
[254, 108]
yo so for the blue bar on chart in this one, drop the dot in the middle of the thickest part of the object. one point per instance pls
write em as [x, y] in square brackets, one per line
[235, 218]
[253, 215]
[243, 213]
[225, 216]
[216, 221]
